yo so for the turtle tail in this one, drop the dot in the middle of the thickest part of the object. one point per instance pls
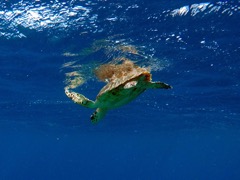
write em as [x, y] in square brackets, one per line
[98, 115]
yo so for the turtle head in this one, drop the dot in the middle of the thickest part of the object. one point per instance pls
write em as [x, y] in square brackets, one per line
[98, 115]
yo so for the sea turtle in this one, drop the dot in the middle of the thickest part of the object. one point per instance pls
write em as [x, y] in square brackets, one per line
[125, 82]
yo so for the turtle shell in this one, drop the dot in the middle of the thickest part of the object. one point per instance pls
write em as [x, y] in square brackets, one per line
[123, 73]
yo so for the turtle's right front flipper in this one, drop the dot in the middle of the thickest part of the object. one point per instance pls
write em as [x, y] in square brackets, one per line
[159, 85]
[80, 99]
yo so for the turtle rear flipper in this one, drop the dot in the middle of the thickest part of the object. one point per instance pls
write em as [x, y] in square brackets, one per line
[98, 115]
[80, 99]
[159, 85]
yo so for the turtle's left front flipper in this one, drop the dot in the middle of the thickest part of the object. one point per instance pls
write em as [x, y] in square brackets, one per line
[158, 85]
[80, 99]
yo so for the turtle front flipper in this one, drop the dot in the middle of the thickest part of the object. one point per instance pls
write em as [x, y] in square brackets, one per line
[158, 85]
[98, 115]
[80, 99]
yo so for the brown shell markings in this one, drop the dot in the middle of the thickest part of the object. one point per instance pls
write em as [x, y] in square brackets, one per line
[118, 74]
[111, 72]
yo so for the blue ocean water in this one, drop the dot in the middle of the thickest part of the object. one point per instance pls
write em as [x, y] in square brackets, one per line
[189, 132]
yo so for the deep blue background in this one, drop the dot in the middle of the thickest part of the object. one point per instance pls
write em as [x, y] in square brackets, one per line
[189, 132]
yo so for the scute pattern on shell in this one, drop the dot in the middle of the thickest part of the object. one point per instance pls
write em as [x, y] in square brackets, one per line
[119, 74]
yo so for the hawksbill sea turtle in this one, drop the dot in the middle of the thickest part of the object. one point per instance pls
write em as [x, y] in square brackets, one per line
[125, 82]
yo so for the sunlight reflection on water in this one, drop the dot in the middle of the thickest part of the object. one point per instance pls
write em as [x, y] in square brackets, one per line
[54, 16]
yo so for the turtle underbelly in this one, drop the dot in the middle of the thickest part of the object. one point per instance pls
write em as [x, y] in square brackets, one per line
[118, 97]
